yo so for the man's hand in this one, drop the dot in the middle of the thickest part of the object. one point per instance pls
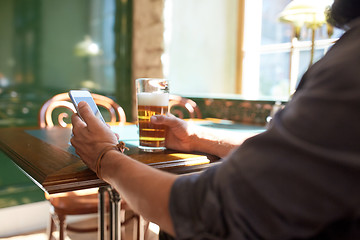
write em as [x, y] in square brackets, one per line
[178, 132]
[184, 136]
[91, 136]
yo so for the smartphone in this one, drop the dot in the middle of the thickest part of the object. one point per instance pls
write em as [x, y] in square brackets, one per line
[77, 96]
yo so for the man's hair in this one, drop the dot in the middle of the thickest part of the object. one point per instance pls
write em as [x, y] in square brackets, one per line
[343, 11]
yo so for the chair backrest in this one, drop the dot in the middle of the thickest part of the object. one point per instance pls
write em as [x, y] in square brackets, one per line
[63, 105]
[180, 107]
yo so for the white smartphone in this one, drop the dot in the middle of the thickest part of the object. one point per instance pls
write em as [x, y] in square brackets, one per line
[77, 96]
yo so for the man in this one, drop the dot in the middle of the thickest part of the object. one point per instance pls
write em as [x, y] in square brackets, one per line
[298, 180]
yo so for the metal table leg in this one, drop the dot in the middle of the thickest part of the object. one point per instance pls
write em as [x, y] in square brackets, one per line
[115, 225]
[102, 212]
[141, 230]
[114, 216]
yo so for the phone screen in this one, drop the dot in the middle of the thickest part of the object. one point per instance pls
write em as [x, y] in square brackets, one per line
[77, 99]
[92, 105]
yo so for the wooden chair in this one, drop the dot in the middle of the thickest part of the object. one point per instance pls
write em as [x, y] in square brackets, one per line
[60, 105]
[56, 111]
[183, 107]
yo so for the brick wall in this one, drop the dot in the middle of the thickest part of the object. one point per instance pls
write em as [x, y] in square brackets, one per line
[148, 44]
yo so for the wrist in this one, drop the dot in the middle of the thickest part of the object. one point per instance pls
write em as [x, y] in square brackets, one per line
[194, 138]
[108, 164]
[209, 141]
[120, 147]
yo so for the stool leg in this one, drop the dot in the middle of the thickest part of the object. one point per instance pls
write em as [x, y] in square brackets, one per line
[50, 229]
[62, 227]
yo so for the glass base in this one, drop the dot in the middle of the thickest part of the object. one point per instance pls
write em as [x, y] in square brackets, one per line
[152, 149]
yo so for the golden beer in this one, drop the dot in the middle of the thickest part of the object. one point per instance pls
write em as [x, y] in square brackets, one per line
[151, 136]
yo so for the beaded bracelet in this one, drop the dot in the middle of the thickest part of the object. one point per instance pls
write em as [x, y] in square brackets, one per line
[118, 147]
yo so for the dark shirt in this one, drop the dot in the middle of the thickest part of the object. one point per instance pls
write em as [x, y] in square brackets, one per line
[298, 180]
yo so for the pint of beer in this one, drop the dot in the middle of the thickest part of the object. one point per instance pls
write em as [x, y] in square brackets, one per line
[152, 99]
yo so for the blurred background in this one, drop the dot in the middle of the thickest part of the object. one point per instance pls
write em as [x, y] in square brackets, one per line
[211, 51]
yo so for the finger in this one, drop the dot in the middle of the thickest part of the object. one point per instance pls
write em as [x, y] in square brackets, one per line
[87, 115]
[77, 124]
[73, 142]
[76, 120]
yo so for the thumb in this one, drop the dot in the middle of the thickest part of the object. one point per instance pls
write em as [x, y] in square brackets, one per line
[165, 120]
[87, 114]
[157, 119]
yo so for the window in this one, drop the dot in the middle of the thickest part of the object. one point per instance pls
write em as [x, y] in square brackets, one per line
[102, 25]
[200, 45]
[63, 30]
[37, 60]
[203, 45]
[39, 57]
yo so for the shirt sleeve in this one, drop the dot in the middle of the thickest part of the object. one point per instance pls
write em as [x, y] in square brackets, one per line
[278, 194]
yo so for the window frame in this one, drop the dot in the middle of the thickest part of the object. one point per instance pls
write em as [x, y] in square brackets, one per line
[250, 50]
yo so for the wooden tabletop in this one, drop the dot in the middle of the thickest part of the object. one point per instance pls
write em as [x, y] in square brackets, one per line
[46, 156]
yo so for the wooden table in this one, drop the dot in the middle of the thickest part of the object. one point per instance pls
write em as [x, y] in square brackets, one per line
[46, 156]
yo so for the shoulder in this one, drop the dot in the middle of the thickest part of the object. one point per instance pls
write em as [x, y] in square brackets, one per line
[339, 70]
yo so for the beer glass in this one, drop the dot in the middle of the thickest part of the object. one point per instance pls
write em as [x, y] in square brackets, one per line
[152, 99]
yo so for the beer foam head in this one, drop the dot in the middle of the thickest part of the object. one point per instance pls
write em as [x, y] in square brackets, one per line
[153, 99]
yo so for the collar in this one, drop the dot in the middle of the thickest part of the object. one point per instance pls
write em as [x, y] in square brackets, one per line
[353, 23]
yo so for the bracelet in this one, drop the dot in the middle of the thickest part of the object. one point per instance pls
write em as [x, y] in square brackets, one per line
[118, 147]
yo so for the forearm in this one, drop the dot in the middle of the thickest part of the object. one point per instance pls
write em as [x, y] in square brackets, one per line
[145, 189]
[217, 142]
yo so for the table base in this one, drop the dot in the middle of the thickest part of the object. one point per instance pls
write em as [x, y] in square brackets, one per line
[114, 218]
